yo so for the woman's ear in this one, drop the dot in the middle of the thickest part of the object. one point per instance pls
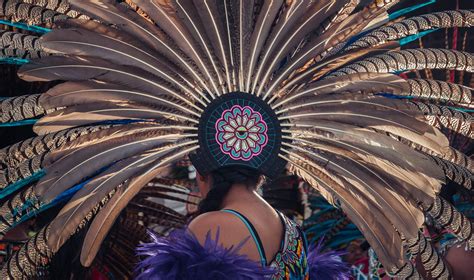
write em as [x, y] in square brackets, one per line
[203, 183]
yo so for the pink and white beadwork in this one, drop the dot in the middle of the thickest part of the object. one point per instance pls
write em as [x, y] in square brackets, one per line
[241, 133]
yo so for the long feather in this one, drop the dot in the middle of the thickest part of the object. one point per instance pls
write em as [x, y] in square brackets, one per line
[60, 6]
[67, 221]
[20, 108]
[16, 40]
[87, 161]
[440, 90]
[186, 11]
[412, 59]
[397, 159]
[85, 68]
[370, 186]
[318, 47]
[321, 69]
[355, 83]
[15, 154]
[262, 26]
[213, 15]
[414, 25]
[165, 15]
[377, 231]
[307, 17]
[105, 218]
[89, 92]
[81, 42]
[32, 14]
[110, 31]
[102, 112]
[145, 31]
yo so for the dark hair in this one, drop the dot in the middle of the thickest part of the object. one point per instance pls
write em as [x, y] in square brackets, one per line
[222, 181]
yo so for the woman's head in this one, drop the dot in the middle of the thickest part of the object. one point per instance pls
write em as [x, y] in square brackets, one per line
[215, 185]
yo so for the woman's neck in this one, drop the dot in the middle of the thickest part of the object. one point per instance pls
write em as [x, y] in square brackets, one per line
[240, 194]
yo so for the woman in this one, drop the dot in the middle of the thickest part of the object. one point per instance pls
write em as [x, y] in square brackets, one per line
[248, 87]
[240, 237]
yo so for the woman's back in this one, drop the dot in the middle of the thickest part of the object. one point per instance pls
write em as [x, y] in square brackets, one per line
[266, 221]
[271, 239]
[237, 235]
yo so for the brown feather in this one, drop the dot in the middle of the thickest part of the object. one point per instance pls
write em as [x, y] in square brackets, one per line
[85, 68]
[89, 92]
[105, 218]
[378, 231]
[101, 112]
[85, 162]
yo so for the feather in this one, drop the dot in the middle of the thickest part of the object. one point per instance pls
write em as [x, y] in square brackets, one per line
[15, 40]
[20, 55]
[453, 123]
[35, 253]
[343, 13]
[435, 142]
[21, 172]
[327, 265]
[456, 173]
[368, 185]
[369, 115]
[378, 231]
[432, 262]
[87, 161]
[33, 15]
[214, 16]
[109, 31]
[439, 90]
[105, 218]
[13, 209]
[319, 70]
[414, 25]
[411, 59]
[60, 6]
[80, 42]
[100, 136]
[19, 108]
[318, 47]
[88, 92]
[100, 113]
[264, 22]
[448, 217]
[15, 154]
[85, 68]
[71, 215]
[181, 256]
[145, 31]
[353, 83]
[379, 151]
[165, 14]
[305, 16]
[24, 26]
[448, 153]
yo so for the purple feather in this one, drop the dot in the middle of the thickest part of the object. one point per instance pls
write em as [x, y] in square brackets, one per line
[181, 256]
[326, 266]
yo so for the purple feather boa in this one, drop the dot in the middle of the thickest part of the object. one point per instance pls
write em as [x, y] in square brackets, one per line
[180, 256]
[326, 266]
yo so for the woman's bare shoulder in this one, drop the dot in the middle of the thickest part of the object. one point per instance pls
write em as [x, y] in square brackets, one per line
[230, 230]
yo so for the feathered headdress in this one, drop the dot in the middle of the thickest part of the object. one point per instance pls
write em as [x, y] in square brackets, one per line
[312, 85]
